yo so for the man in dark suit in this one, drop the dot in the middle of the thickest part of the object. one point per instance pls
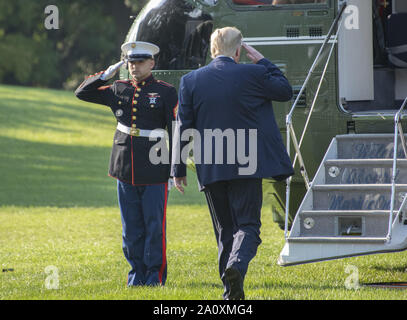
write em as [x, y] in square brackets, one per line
[235, 100]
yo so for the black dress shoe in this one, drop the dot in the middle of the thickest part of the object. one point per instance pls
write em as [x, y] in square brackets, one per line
[235, 281]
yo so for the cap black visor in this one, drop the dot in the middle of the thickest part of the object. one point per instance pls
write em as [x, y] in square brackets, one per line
[139, 57]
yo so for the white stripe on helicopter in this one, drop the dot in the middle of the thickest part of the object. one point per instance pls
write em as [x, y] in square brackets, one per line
[269, 41]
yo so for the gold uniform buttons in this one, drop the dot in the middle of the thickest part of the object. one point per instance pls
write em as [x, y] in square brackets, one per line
[134, 109]
[133, 125]
[151, 105]
[119, 102]
[135, 102]
[136, 95]
[138, 89]
[134, 117]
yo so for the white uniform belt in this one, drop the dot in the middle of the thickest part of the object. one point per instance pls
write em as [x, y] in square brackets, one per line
[136, 132]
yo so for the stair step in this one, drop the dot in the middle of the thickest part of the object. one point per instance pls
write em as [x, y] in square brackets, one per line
[374, 161]
[338, 239]
[368, 146]
[356, 196]
[347, 212]
[354, 187]
[324, 223]
[376, 114]
[364, 171]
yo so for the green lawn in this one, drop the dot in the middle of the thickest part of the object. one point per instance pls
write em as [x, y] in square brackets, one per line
[58, 208]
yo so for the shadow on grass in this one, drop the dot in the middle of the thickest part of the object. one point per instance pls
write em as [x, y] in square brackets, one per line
[47, 174]
[292, 286]
[400, 268]
[199, 285]
[25, 113]
[62, 175]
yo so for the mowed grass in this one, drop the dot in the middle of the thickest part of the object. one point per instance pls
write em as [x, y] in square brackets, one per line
[58, 210]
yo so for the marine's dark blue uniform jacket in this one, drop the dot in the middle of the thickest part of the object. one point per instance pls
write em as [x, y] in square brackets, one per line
[224, 95]
[147, 105]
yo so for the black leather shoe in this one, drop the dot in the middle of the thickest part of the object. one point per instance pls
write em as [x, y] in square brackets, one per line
[235, 281]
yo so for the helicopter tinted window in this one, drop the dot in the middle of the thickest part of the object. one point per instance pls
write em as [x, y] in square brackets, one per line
[276, 2]
[180, 29]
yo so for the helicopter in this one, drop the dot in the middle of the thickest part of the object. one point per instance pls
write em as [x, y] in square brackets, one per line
[347, 64]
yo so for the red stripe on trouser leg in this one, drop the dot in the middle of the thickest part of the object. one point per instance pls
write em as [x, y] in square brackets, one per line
[164, 261]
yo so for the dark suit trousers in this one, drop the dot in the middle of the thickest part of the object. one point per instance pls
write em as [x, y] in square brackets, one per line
[235, 207]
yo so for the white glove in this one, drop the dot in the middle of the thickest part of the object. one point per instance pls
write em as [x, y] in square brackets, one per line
[111, 71]
[170, 183]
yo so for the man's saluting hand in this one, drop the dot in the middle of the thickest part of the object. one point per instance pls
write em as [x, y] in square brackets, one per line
[254, 55]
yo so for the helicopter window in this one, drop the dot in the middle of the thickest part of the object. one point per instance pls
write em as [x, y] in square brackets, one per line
[276, 2]
[180, 29]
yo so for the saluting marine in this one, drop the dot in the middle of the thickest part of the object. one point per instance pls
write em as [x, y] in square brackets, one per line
[144, 107]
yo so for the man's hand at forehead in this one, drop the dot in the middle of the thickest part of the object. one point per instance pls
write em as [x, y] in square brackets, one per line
[111, 71]
[252, 53]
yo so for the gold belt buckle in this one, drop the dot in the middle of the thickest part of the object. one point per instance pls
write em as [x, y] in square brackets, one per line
[135, 132]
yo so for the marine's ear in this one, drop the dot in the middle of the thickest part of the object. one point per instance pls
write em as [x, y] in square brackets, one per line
[152, 65]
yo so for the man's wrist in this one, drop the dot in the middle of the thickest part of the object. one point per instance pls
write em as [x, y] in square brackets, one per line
[263, 61]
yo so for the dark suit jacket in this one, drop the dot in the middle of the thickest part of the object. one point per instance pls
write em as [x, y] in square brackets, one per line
[225, 95]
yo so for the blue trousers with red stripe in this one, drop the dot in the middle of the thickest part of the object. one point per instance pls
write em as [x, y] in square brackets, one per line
[143, 215]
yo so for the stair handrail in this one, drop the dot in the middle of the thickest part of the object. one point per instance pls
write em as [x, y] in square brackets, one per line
[316, 93]
[289, 125]
[398, 130]
[326, 40]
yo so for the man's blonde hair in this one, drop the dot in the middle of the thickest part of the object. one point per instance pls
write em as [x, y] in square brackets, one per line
[225, 41]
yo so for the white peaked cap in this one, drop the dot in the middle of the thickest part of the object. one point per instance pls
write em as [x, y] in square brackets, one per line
[139, 50]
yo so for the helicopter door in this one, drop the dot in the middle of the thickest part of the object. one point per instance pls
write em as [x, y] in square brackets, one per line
[372, 56]
[398, 19]
[355, 52]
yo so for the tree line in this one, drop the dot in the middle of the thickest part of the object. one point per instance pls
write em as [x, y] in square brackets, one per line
[88, 39]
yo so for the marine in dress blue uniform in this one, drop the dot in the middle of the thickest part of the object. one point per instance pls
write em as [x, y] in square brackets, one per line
[227, 95]
[144, 110]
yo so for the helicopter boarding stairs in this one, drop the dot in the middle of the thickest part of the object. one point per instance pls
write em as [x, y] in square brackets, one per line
[356, 203]
[346, 211]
